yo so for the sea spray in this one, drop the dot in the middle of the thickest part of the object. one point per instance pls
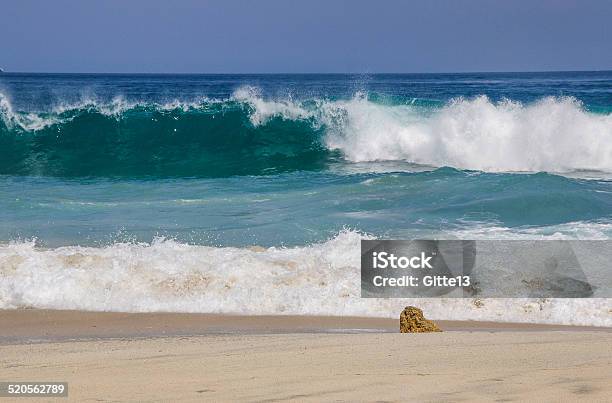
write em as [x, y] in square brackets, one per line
[552, 134]
[216, 138]
[96, 166]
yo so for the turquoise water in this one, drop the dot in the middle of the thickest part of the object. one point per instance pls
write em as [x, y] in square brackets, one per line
[291, 160]
[149, 192]
[298, 208]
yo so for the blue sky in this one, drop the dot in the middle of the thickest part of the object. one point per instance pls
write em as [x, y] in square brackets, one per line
[185, 36]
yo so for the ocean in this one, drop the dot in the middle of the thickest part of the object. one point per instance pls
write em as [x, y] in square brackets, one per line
[250, 193]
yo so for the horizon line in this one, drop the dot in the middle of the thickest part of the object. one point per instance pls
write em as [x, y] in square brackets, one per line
[310, 73]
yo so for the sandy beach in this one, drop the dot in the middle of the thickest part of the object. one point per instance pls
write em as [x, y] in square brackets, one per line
[193, 357]
[306, 201]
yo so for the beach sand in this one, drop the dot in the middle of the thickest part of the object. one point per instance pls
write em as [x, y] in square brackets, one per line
[194, 357]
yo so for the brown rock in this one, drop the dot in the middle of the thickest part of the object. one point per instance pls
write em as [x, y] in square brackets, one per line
[413, 321]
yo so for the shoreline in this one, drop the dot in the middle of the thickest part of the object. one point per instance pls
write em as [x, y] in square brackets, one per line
[26, 326]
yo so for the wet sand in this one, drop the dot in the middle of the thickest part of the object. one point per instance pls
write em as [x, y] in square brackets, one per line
[39, 325]
[192, 357]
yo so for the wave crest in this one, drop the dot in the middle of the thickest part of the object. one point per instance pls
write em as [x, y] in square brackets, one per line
[207, 139]
[552, 134]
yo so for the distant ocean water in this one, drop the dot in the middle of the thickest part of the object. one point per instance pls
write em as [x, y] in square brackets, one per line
[147, 192]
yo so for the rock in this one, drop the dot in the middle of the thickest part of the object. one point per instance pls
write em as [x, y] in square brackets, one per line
[413, 321]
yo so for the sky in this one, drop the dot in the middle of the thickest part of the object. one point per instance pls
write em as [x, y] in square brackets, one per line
[309, 36]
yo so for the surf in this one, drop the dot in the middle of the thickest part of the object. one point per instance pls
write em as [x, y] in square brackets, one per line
[168, 276]
[249, 134]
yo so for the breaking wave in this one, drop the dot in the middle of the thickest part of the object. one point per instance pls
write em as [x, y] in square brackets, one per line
[247, 134]
[319, 279]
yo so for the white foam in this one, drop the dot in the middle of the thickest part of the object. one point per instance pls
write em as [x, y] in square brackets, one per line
[33, 121]
[553, 134]
[592, 230]
[118, 105]
[322, 279]
[264, 110]
[25, 121]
